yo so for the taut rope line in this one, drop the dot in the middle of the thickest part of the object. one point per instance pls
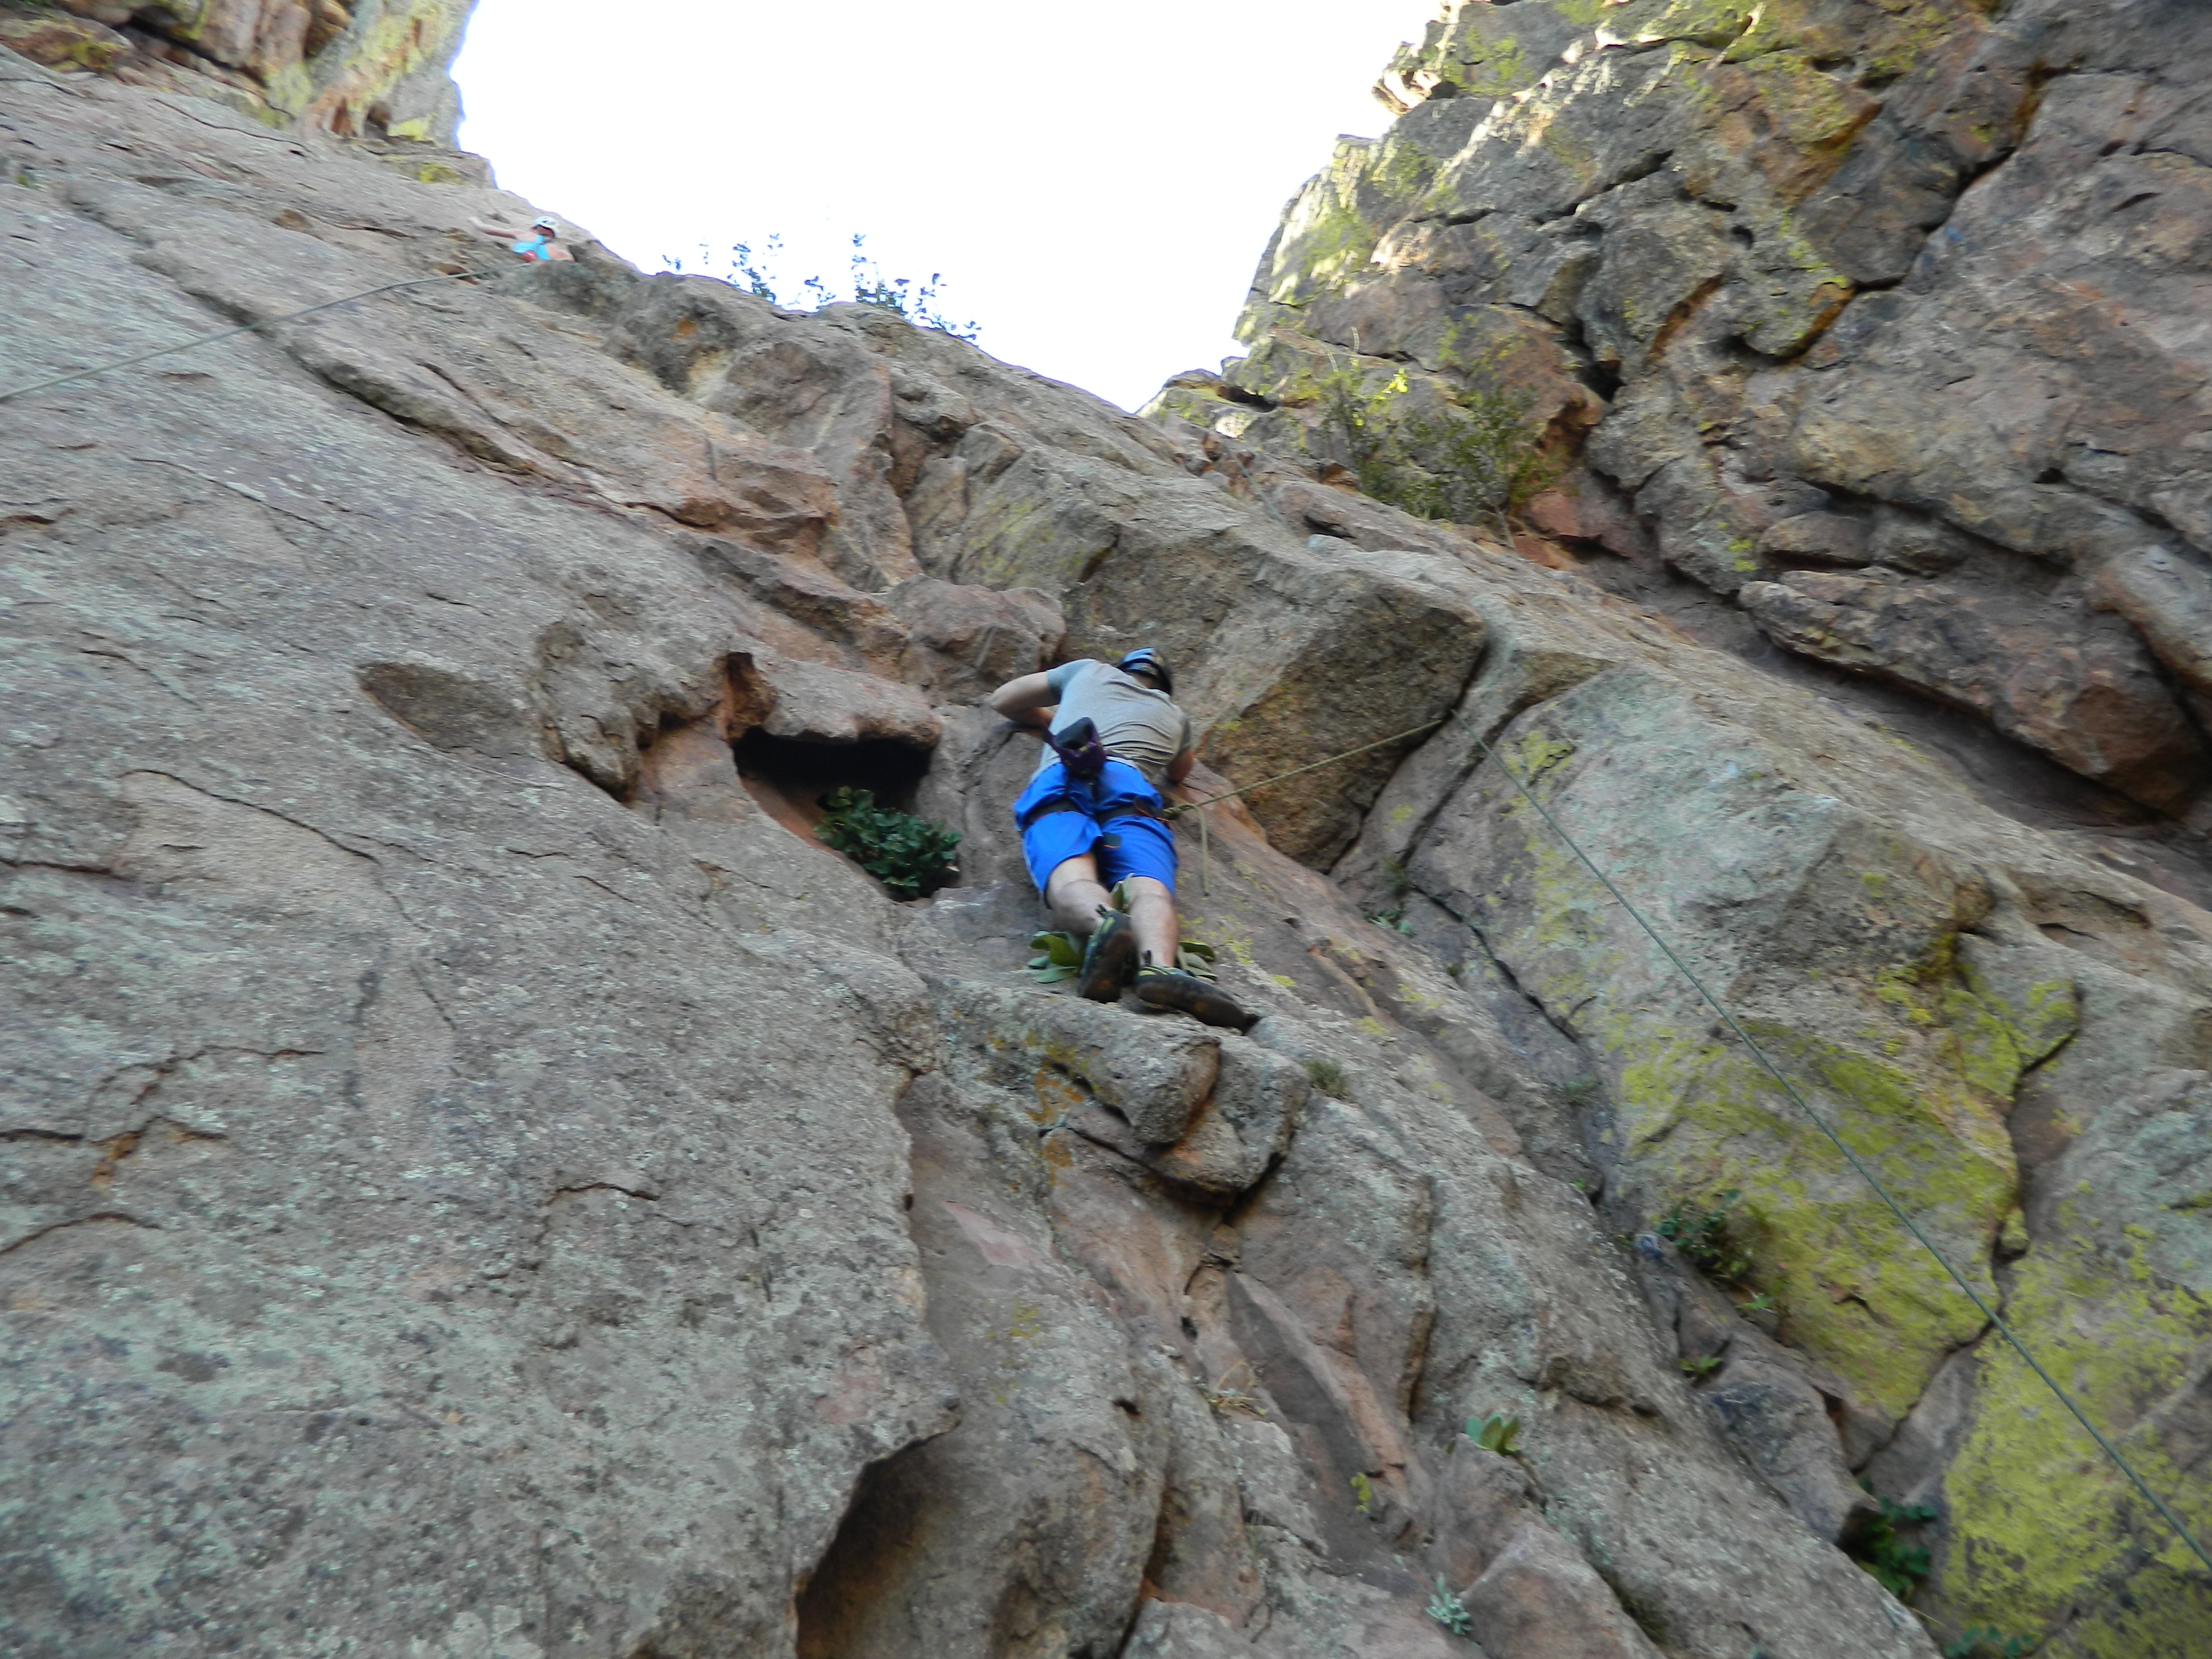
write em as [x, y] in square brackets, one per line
[229, 333]
[1996, 1320]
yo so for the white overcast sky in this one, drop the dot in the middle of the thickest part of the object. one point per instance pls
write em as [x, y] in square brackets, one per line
[1096, 183]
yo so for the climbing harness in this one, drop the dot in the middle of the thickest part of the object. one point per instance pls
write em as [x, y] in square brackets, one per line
[230, 333]
[1996, 1320]
[1081, 751]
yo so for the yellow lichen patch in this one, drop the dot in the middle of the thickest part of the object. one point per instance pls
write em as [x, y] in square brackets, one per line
[1809, 110]
[1708, 22]
[2040, 1521]
[1324, 240]
[1700, 1118]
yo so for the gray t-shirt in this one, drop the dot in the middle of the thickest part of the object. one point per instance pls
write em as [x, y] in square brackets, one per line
[1136, 723]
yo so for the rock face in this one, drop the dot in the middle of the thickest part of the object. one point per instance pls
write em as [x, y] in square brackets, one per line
[373, 70]
[1906, 289]
[483, 1181]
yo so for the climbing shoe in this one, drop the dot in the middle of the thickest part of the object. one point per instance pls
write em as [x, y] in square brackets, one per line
[1109, 958]
[1164, 988]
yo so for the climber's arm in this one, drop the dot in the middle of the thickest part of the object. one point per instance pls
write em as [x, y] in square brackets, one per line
[1179, 767]
[1026, 700]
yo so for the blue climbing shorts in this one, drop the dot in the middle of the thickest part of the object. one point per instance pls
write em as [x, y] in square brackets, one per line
[1063, 819]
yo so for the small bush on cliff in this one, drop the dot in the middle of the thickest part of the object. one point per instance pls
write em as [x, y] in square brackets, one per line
[910, 855]
[1470, 457]
[914, 300]
[1704, 1235]
[1496, 1433]
[1984, 1643]
[1448, 1610]
[1327, 1075]
[1898, 1564]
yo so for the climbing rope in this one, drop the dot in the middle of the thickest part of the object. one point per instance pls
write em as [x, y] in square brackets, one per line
[230, 333]
[1206, 838]
[1996, 1319]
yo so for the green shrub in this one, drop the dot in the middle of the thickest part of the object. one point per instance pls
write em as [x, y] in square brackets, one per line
[1496, 1433]
[1448, 1610]
[1984, 1643]
[1059, 954]
[1327, 1075]
[910, 855]
[1901, 1567]
[916, 301]
[1704, 1235]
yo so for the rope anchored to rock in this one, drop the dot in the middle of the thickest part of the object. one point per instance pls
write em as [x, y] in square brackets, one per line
[231, 333]
[1996, 1320]
[1205, 837]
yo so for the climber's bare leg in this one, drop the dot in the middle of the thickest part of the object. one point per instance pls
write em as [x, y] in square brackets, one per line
[1076, 897]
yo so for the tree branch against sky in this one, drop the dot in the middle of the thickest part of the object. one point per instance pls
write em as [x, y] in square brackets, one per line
[1095, 186]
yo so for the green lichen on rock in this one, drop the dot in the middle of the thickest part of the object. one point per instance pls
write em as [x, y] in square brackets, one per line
[2040, 1521]
[1324, 238]
[1844, 968]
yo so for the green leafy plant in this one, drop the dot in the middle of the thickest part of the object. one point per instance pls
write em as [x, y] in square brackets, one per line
[1983, 1642]
[1448, 1610]
[1496, 1433]
[916, 301]
[1704, 1235]
[1224, 1398]
[1757, 1302]
[1393, 919]
[910, 855]
[1363, 1494]
[1196, 959]
[1060, 957]
[1326, 1074]
[1703, 1366]
[1898, 1565]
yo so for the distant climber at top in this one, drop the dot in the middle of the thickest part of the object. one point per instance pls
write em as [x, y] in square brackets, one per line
[539, 245]
[1092, 817]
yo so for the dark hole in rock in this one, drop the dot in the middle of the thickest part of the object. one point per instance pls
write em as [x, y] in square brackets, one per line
[803, 770]
[788, 776]
[847, 1600]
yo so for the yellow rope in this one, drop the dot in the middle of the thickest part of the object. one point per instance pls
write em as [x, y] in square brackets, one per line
[1205, 837]
[1181, 807]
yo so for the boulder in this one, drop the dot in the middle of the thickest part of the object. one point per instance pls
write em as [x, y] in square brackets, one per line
[2052, 674]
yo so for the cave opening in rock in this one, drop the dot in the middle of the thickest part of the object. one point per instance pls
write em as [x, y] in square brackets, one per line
[790, 776]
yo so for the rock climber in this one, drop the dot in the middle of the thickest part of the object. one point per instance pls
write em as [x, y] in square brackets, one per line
[539, 245]
[1092, 817]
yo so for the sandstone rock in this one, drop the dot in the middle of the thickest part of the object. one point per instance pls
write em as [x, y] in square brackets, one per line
[64, 43]
[1789, 248]
[978, 638]
[2048, 673]
[467, 1127]
[1818, 538]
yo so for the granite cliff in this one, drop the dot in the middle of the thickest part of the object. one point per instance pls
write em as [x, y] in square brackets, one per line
[482, 1181]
